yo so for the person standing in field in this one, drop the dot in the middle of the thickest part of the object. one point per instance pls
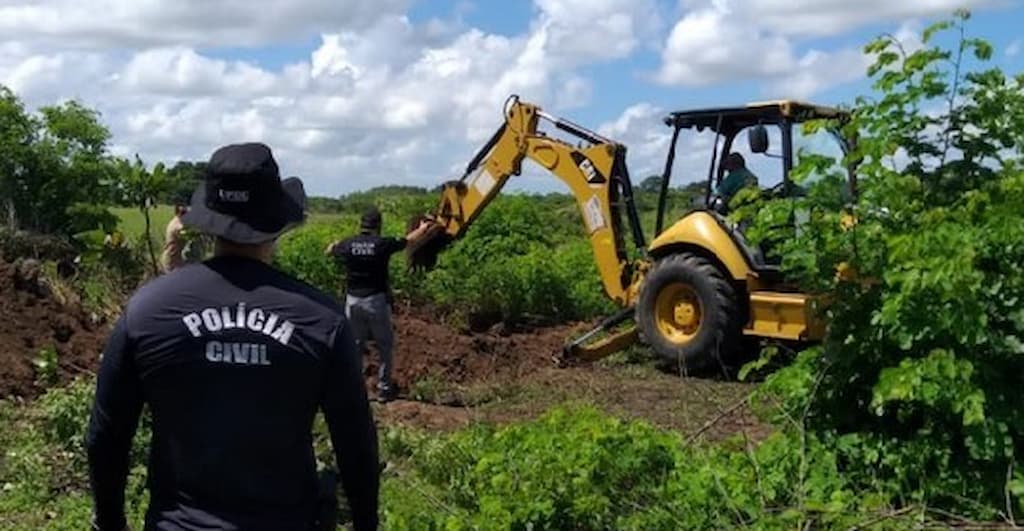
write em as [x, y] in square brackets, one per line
[172, 256]
[181, 245]
[233, 359]
[368, 298]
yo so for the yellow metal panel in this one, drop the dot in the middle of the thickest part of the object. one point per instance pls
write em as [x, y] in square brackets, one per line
[784, 316]
[790, 107]
[700, 229]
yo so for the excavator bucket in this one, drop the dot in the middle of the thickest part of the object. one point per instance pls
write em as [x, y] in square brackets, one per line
[422, 255]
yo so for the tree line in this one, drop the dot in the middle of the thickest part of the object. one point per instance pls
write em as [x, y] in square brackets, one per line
[58, 175]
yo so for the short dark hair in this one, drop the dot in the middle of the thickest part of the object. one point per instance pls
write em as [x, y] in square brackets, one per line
[371, 219]
[734, 160]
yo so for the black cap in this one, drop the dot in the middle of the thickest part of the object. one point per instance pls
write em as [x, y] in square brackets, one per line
[243, 198]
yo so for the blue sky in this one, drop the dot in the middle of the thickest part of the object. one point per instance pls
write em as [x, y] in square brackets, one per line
[358, 93]
[619, 83]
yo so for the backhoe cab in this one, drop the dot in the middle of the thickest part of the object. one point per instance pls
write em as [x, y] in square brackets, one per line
[698, 293]
[708, 294]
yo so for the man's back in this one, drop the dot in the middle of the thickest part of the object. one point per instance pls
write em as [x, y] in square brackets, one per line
[234, 358]
[366, 258]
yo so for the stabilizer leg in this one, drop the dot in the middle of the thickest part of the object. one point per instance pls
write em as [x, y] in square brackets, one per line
[576, 351]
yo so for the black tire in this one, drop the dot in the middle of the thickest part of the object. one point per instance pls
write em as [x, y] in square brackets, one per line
[719, 335]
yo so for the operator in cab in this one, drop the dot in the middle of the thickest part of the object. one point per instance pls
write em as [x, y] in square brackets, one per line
[234, 359]
[366, 257]
[737, 178]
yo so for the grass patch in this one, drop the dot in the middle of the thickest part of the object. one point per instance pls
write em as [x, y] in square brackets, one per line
[133, 223]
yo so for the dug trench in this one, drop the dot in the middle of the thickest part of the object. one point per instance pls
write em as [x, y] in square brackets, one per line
[449, 378]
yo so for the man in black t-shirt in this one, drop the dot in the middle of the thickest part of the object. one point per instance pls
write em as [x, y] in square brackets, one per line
[233, 359]
[366, 258]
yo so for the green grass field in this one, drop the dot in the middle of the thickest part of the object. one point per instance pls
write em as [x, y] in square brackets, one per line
[133, 224]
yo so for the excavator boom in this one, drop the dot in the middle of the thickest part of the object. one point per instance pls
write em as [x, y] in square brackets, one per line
[596, 175]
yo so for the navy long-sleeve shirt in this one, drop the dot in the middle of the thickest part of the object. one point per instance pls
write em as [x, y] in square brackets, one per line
[366, 258]
[233, 359]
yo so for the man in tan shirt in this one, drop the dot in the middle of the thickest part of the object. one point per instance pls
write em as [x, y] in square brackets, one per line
[174, 241]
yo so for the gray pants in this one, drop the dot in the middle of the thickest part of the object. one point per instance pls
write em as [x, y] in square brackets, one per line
[371, 320]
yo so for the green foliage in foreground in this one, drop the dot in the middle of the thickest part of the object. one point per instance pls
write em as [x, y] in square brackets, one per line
[574, 468]
[918, 384]
[577, 468]
[43, 470]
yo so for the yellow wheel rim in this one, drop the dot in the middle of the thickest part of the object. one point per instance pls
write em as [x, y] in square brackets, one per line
[677, 312]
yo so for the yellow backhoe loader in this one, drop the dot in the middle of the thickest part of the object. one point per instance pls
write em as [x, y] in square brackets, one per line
[697, 293]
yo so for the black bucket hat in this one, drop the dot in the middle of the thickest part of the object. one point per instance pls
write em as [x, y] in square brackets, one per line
[243, 198]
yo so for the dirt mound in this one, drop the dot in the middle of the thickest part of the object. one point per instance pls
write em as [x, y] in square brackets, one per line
[428, 348]
[32, 320]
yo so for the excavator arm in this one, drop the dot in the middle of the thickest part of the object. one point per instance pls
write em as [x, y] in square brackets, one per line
[596, 175]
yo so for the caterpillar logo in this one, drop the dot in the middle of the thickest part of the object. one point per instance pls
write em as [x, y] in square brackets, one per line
[587, 167]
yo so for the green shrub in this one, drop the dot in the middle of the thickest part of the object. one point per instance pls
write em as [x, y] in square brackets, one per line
[84, 217]
[917, 383]
[577, 468]
[301, 253]
[522, 259]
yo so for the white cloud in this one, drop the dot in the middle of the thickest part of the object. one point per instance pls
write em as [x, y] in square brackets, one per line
[579, 30]
[646, 137]
[574, 93]
[642, 130]
[724, 41]
[708, 46]
[1013, 49]
[116, 23]
[181, 72]
[382, 99]
[817, 71]
[830, 17]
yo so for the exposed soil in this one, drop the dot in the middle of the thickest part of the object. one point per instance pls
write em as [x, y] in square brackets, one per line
[33, 320]
[701, 410]
[451, 379]
[448, 378]
[428, 348]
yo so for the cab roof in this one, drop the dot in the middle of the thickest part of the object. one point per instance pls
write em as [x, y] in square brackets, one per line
[739, 117]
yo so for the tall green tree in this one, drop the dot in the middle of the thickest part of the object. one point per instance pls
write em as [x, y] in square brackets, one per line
[53, 160]
[18, 132]
[182, 180]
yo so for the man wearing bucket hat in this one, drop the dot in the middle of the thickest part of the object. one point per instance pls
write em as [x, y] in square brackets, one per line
[233, 358]
[366, 258]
